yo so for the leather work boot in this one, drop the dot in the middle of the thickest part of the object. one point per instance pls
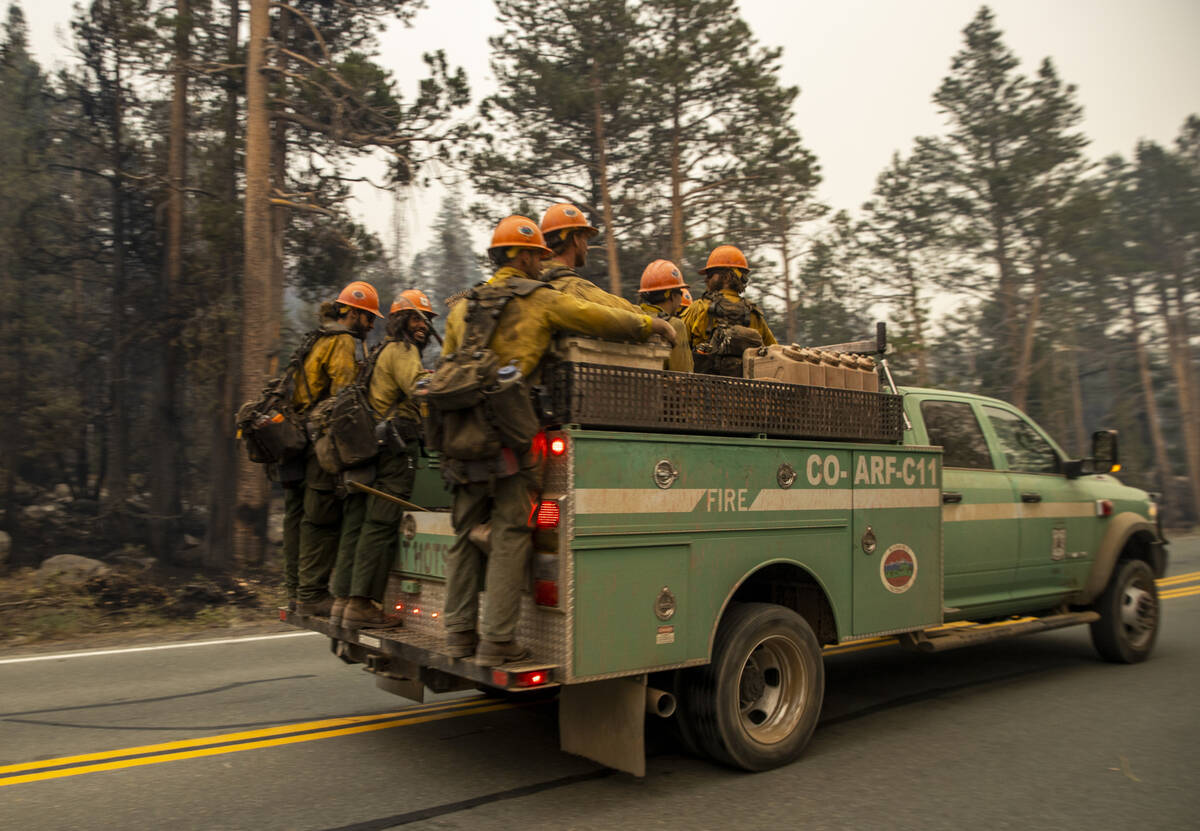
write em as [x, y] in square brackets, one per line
[461, 644]
[493, 653]
[360, 613]
[339, 608]
[315, 608]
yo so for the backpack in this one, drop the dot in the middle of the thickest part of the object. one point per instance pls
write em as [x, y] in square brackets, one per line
[471, 411]
[269, 426]
[342, 427]
[728, 337]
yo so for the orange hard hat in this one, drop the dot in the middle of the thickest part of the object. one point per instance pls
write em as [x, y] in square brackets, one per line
[360, 295]
[661, 275]
[565, 216]
[726, 256]
[413, 300]
[401, 304]
[687, 299]
[519, 232]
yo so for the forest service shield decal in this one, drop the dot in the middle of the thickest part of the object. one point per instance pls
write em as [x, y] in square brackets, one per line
[898, 569]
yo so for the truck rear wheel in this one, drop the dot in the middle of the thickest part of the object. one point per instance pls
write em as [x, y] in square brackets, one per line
[756, 705]
[1129, 614]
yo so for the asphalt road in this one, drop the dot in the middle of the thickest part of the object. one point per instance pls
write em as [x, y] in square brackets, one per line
[275, 733]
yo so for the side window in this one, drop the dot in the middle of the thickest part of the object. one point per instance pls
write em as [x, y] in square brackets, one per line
[1023, 447]
[953, 425]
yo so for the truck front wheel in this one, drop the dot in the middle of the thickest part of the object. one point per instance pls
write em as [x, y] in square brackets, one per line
[1129, 614]
[756, 705]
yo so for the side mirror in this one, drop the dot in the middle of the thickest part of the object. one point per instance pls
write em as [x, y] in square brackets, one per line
[1104, 451]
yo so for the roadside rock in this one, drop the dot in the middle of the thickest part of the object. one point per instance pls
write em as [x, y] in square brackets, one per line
[70, 569]
[62, 492]
[36, 513]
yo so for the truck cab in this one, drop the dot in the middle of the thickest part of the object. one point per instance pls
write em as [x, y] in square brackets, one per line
[1022, 527]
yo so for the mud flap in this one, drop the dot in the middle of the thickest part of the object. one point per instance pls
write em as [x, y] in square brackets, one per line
[605, 721]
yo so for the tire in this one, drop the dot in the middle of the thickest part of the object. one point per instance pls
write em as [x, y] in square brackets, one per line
[1129, 614]
[756, 705]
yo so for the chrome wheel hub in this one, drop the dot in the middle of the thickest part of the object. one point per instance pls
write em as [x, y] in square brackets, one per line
[771, 690]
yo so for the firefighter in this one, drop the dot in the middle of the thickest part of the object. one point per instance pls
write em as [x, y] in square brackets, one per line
[501, 490]
[662, 290]
[684, 302]
[716, 323]
[371, 524]
[567, 233]
[332, 364]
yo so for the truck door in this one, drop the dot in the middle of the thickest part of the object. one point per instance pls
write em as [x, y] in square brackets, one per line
[1058, 516]
[896, 540]
[979, 526]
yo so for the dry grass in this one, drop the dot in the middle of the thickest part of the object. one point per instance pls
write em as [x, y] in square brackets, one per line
[33, 612]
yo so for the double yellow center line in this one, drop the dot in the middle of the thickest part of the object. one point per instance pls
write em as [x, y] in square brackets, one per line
[1177, 586]
[1182, 585]
[153, 754]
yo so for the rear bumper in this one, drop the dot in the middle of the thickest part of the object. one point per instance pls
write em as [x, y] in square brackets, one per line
[417, 656]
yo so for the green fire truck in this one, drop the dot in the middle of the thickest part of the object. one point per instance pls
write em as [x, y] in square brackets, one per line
[700, 540]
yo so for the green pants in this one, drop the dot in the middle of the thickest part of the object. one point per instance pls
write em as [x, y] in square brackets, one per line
[293, 513]
[354, 508]
[371, 528]
[507, 504]
[320, 528]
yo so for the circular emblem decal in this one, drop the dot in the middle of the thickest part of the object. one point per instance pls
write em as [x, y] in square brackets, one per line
[898, 568]
[525, 230]
[359, 294]
[570, 212]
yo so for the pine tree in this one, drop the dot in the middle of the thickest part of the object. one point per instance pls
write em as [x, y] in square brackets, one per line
[561, 125]
[447, 267]
[716, 98]
[1009, 165]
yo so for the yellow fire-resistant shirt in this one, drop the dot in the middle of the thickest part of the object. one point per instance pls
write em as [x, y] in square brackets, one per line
[331, 365]
[680, 359]
[564, 278]
[394, 381]
[696, 319]
[528, 323]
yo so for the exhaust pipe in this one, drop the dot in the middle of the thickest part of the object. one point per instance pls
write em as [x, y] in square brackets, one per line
[660, 703]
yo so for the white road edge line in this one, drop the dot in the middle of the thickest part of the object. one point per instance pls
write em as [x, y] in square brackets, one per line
[98, 652]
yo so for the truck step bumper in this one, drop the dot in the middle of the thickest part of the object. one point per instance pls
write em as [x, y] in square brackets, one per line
[941, 640]
[401, 655]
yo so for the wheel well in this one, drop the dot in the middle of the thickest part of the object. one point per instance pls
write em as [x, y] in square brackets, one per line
[789, 585]
[1142, 545]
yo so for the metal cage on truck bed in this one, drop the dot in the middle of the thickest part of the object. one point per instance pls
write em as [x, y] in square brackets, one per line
[624, 398]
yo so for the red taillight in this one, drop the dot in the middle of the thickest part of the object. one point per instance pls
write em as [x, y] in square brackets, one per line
[399, 607]
[529, 678]
[1104, 507]
[558, 446]
[283, 614]
[534, 678]
[547, 514]
[545, 592]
